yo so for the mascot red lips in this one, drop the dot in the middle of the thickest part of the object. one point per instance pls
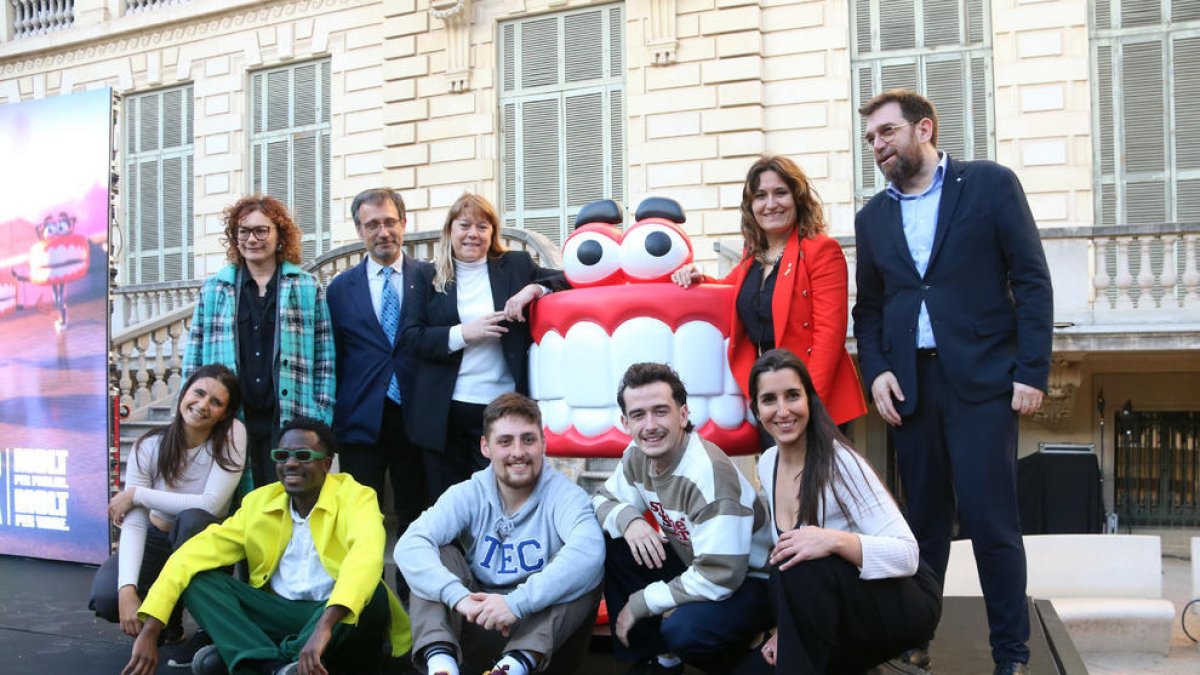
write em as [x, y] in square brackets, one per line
[623, 309]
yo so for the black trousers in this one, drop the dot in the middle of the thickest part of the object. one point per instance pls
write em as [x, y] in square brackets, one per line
[398, 460]
[461, 456]
[159, 546]
[956, 453]
[831, 621]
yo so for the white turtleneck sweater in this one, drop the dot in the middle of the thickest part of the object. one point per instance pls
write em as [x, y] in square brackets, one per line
[483, 374]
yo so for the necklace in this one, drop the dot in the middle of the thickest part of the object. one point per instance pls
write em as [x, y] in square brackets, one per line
[767, 260]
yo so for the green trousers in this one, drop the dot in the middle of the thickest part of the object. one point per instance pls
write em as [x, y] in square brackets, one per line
[248, 623]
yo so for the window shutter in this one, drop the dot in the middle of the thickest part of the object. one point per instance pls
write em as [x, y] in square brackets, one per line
[1185, 10]
[304, 184]
[540, 152]
[1140, 12]
[256, 102]
[561, 116]
[173, 118]
[584, 46]
[1186, 54]
[278, 100]
[976, 15]
[897, 24]
[149, 127]
[944, 84]
[616, 141]
[305, 95]
[539, 53]
[149, 188]
[942, 23]
[277, 178]
[977, 116]
[1103, 14]
[862, 27]
[189, 241]
[1144, 133]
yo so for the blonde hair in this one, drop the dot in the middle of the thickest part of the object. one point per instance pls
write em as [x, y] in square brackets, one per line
[443, 258]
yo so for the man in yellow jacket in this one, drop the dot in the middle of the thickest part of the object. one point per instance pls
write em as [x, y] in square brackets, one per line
[314, 545]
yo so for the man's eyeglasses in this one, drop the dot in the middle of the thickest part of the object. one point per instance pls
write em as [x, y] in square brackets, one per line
[281, 455]
[260, 233]
[374, 225]
[886, 133]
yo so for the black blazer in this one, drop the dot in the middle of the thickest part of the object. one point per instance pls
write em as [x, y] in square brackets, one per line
[365, 358]
[427, 337]
[987, 288]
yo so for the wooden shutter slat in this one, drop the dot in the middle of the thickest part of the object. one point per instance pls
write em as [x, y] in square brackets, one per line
[539, 52]
[1185, 61]
[1142, 106]
[540, 148]
[583, 42]
[942, 23]
[944, 82]
[584, 148]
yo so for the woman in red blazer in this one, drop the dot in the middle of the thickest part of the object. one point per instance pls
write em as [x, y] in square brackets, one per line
[791, 283]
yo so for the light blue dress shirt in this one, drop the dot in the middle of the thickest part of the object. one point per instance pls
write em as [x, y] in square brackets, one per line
[919, 215]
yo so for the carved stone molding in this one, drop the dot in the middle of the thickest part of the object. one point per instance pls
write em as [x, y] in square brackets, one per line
[660, 39]
[456, 15]
[1059, 402]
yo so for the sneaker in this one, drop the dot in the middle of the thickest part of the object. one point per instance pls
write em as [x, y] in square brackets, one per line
[1011, 668]
[917, 656]
[208, 661]
[651, 666]
[289, 669]
[187, 652]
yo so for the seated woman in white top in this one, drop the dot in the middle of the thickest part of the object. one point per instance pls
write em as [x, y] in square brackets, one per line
[850, 591]
[179, 479]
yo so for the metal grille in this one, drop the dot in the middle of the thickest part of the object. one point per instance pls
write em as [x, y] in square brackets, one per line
[1157, 468]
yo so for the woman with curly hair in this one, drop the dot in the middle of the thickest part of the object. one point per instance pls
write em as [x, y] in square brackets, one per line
[266, 319]
[792, 286]
[180, 479]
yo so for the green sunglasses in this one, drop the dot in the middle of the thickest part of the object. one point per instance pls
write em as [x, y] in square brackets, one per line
[281, 455]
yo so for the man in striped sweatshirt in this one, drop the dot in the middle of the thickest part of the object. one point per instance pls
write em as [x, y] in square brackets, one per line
[704, 597]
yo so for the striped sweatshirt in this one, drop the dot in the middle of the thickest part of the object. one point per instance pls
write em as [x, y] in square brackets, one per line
[709, 512]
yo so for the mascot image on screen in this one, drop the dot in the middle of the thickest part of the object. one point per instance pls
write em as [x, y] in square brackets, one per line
[623, 309]
[58, 257]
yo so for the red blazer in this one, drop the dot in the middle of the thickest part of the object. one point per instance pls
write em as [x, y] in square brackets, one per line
[810, 313]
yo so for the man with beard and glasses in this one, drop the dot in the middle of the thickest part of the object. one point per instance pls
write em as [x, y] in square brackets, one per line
[704, 597]
[953, 320]
[313, 544]
[505, 568]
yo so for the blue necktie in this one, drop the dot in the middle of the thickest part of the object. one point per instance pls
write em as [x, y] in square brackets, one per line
[390, 318]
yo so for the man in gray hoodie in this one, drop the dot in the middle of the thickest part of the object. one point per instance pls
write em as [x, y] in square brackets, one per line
[506, 567]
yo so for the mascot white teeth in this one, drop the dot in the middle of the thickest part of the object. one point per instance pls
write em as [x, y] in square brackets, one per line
[622, 309]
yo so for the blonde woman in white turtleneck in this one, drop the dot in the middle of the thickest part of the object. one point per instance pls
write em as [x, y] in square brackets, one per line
[467, 329]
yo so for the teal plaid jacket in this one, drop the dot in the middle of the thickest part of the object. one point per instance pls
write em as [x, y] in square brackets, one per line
[304, 352]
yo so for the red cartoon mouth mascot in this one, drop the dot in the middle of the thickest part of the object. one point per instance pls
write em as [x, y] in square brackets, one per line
[624, 309]
[58, 257]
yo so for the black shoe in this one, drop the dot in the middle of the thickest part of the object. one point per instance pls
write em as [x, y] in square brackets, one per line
[208, 661]
[651, 666]
[1011, 668]
[187, 652]
[171, 635]
[897, 666]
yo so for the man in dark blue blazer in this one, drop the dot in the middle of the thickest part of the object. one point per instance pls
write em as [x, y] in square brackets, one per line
[374, 375]
[953, 321]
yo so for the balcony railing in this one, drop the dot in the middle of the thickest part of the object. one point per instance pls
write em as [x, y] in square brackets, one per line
[138, 6]
[147, 346]
[37, 17]
[1121, 280]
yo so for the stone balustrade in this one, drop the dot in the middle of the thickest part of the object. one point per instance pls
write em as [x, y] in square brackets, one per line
[151, 321]
[38, 17]
[1107, 280]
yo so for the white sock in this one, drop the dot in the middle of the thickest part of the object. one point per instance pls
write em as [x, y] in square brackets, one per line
[669, 660]
[511, 665]
[442, 662]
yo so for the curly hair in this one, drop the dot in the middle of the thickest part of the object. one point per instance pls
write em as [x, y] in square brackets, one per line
[443, 257]
[810, 219]
[276, 212]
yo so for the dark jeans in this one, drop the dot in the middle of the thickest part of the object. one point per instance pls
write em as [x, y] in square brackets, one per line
[710, 634]
[159, 546]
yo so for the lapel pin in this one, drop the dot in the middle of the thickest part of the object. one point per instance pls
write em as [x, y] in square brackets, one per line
[788, 270]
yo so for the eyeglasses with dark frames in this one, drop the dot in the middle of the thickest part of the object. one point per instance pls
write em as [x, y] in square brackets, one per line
[260, 233]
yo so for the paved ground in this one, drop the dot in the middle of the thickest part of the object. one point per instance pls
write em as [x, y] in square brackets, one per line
[46, 629]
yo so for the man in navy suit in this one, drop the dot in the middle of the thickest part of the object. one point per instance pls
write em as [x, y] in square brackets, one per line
[953, 321]
[374, 375]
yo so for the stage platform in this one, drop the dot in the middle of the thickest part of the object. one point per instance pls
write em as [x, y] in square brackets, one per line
[46, 629]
